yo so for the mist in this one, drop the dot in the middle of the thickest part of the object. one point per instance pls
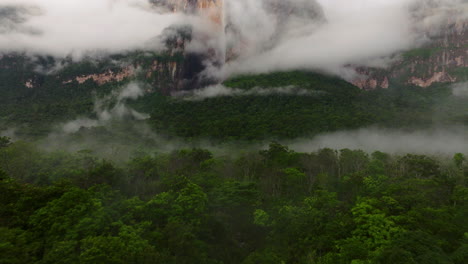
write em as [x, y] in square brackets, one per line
[260, 35]
[435, 141]
[460, 89]
[78, 28]
[220, 90]
[110, 108]
[321, 35]
[359, 32]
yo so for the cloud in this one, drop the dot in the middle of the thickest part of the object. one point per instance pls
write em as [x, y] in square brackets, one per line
[350, 32]
[131, 91]
[460, 89]
[219, 90]
[110, 108]
[9, 132]
[259, 36]
[432, 141]
[13, 17]
[79, 27]
[432, 16]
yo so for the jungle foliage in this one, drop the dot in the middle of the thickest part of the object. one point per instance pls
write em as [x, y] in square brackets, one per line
[330, 104]
[270, 206]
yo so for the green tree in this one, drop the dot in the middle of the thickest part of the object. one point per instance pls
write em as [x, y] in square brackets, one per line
[459, 160]
[4, 142]
[373, 232]
[420, 166]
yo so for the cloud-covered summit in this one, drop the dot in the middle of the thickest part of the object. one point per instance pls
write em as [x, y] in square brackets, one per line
[259, 35]
[352, 32]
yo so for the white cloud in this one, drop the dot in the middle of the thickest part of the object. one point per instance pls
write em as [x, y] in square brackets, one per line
[460, 89]
[360, 32]
[261, 35]
[76, 27]
[111, 107]
[432, 141]
[221, 90]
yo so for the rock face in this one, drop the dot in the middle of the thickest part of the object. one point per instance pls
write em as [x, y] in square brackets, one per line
[438, 77]
[165, 75]
[29, 84]
[103, 78]
[188, 73]
[444, 59]
[212, 9]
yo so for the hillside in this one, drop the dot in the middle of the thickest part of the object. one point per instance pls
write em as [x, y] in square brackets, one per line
[308, 104]
[40, 92]
[323, 104]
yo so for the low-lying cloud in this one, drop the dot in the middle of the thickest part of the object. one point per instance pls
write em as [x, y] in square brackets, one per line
[460, 89]
[220, 90]
[446, 141]
[110, 108]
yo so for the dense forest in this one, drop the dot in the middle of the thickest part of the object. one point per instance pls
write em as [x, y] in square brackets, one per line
[331, 105]
[269, 206]
[316, 103]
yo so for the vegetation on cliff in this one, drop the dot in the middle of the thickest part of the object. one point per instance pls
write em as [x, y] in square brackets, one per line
[332, 105]
[325, 103]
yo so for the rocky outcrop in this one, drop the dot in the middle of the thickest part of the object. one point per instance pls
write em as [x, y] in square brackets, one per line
[187, 74]
[443, 60]
[103, 78]
[212, 9]
[371, 83]
[166, 76]
[438, 77]
[29, 84]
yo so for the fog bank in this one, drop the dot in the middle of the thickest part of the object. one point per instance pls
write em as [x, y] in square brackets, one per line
[432, 141]
[220, 90]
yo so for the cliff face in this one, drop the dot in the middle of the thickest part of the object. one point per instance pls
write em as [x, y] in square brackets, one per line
[186, 74]
[444, 59]
[165, 73]
[212, 9]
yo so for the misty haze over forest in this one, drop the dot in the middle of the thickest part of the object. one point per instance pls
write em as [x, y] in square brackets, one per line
[234, 131]
[332, 37]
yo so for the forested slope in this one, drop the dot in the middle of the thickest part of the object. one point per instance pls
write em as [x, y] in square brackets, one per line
[276, 105]
[323, 104]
